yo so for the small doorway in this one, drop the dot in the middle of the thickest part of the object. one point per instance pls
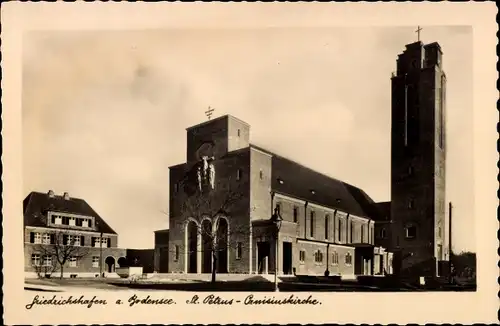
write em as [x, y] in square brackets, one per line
[110, 263]
[287, 258]
[263, 253]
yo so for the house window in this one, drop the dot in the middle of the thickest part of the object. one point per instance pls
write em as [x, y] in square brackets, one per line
[73, 240]
[327, 221]
[56, 219]
[105, 242]
[78, 222]
[85, 223]
[348, 259]
[95, 261]
[335, 258]
[176, 257]
[295, 214]
[302, 256]
[46, 238]
[97, 242]
[318, 256]
[72, 221]
[411, 232]
[37, 238]
[261, 174]
[239, 250]
[311, 224]
[72, 261]
[47, 260]
[238, 174]
[35, 259]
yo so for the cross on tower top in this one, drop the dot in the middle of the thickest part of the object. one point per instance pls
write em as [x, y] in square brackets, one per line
[209, 112]
[418, 33]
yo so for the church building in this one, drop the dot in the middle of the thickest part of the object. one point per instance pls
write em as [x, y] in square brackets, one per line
[240, 208]
[232, 188]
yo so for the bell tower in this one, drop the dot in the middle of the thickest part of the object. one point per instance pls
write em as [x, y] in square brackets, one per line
[418, 157]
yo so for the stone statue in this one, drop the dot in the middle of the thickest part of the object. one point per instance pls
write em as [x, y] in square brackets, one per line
[212, 173]
[198, 174]
[205, 166]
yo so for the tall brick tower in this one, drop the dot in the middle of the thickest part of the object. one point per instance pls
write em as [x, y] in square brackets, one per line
[418, 157]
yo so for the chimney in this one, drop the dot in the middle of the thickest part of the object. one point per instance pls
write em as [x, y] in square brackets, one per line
[51, 193]
[66, 196]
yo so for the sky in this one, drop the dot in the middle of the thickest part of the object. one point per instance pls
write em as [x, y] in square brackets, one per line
[105, 113]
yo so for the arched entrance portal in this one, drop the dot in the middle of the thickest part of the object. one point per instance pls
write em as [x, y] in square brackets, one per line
[122, 262]
[192, 247]
[222, 245]
[110, 264]
[206, 247]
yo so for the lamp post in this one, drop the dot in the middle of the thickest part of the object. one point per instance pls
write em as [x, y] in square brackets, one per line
[276, 219]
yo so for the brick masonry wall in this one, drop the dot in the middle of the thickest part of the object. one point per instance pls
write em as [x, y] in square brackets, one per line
[215, 130]
[310, 267]
[84, 265]
[260, 189]
[239, 221]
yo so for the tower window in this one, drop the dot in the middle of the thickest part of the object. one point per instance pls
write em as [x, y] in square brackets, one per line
[261, 174]
[295, 214]
[383, 233]
[411, 232]
[411, 204]
[239, 132]
[238, 174]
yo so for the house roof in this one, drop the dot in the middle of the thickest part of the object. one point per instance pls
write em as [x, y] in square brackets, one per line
[296, 180]
[36, 205]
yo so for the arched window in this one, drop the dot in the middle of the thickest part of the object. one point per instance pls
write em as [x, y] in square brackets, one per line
[335, 258]
[348, 259]
[311, 228]
[318, 256]
[327, 221]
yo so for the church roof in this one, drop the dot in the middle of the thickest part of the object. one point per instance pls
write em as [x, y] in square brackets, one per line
[296, 180]
[384, 209]
[36, 205]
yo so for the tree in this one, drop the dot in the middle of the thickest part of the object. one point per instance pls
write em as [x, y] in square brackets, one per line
[207, 211]
[63, 246]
